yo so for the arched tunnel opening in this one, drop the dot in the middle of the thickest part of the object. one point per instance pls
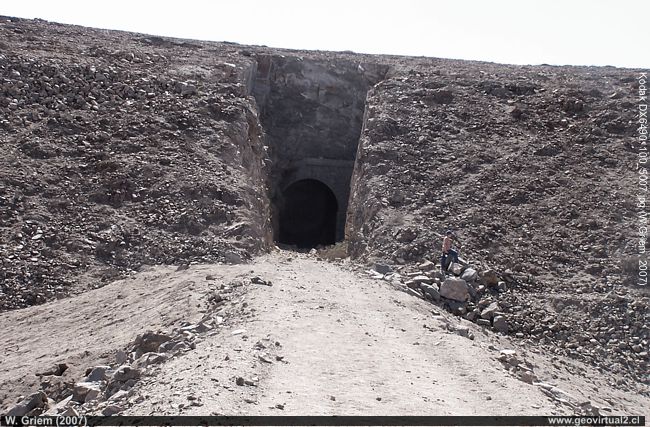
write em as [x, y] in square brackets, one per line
[312, 111]
[307, 214]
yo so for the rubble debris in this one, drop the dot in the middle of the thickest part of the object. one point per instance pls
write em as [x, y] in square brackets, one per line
[34, 404]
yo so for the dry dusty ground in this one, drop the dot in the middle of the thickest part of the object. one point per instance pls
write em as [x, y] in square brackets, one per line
[323, 339]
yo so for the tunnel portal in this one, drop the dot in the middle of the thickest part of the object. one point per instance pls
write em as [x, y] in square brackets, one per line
[312, 112]
[308, 214]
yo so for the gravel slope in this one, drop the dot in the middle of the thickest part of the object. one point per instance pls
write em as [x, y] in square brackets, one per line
[333, 340]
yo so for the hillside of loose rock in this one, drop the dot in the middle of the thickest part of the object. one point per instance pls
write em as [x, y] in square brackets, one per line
[535, 167]
[119, 152]
[123, 150]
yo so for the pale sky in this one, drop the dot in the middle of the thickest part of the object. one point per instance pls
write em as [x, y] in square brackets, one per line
[559, 32]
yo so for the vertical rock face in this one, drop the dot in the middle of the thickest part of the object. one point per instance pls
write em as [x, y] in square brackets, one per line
[312, 110]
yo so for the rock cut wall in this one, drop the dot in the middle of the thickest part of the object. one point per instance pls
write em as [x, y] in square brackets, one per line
[535, 169]
[312, 111]
[121, 150]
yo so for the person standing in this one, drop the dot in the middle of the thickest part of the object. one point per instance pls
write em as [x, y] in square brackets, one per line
[449, 255]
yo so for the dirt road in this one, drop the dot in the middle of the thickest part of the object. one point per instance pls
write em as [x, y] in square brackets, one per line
[348, 345]
[325, 338]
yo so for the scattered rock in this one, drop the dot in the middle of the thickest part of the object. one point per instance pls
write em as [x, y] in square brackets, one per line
[463, 331]
[456, 268]
[86, 391]
[427, 266]
[55, 387]
[431, 292]
[186, 88]
[442, 96]
[469, 275]
[489, 311]
[527, 376]
[96, 374]
[149, 342]
[422, 279]
[412, 284]
[70, 411]
[180, 346]
[259, 281]
[382, 268]
[508, 357]
[457, 308]
[197, 328]
[232, 257]
[111, 410]
[121, 394]
[34, 404]
[125, 373]
[56, 370]
[483, 322]
[149, 359]
[264, 358]
[489, 278]
[121, 357]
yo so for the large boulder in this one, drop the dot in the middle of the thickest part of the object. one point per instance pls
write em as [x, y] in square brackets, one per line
[34, 404]
[499, 323]
[454, 289]
[430, 292]
[469, 275]
[490, 311]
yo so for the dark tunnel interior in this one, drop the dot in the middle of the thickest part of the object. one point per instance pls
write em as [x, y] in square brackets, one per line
[307, 216]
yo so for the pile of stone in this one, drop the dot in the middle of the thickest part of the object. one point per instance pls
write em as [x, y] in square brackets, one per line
[521, 369]
[104, 388]
[462, 290]
[493, 300]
